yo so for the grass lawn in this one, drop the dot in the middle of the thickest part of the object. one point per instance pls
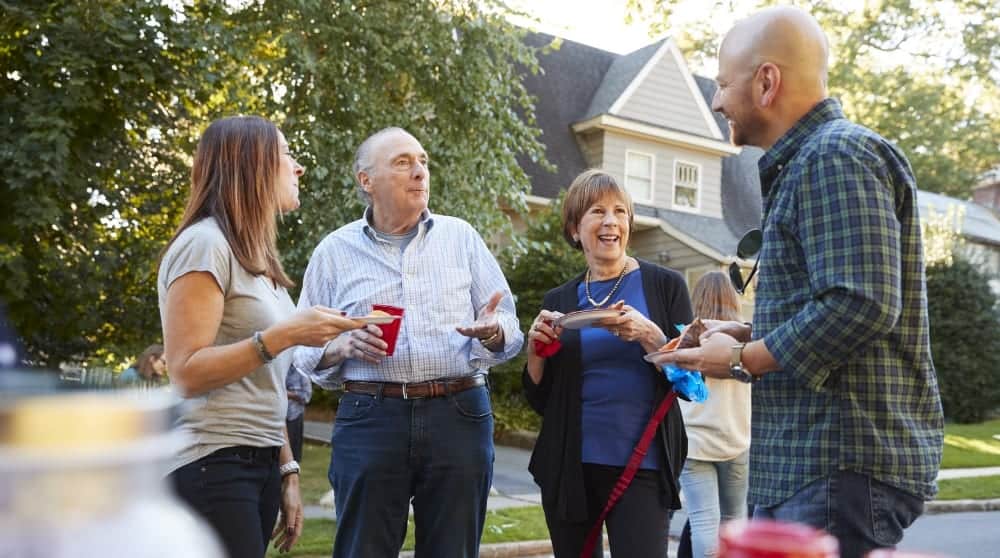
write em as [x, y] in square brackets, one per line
[312, 479]
[971, 445]
[975, 488]
[512, 524]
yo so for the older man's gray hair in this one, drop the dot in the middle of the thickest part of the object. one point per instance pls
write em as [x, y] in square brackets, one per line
[364, 158]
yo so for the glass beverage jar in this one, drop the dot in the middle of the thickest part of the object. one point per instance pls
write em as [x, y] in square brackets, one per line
[82, 475]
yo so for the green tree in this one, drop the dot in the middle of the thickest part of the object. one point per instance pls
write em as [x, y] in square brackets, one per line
[965, 339]
[96, 101]
[102, 103]
[447, 71]
[924, 74]
[542, 262]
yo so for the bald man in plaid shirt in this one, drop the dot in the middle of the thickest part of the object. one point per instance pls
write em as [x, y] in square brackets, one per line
[847, 421]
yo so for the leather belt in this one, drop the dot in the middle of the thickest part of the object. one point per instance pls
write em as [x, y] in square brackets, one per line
[421, 390]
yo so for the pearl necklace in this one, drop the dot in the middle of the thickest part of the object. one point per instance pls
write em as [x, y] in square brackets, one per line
[586, 287]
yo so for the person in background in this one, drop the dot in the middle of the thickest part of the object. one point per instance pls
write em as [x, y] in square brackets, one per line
[227, 322]
[417, 425]
[149, 369]
[847, 428]
[715, 476]
[596, 394]
[299, 389]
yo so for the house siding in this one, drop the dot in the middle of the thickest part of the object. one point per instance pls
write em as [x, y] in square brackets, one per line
[651, 243]
[664, 99]
[710, 201]
[592, 146]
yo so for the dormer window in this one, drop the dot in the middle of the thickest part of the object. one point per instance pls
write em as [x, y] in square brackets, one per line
[639, 176]
[687, 186]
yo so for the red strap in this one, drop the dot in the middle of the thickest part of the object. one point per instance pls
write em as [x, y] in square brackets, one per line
[633, 465]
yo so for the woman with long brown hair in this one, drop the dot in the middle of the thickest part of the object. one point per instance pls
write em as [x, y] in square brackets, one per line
[227, 322]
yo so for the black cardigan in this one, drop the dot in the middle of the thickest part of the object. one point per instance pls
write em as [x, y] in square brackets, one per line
[556, 460]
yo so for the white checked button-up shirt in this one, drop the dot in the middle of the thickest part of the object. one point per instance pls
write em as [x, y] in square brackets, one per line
[443, 279]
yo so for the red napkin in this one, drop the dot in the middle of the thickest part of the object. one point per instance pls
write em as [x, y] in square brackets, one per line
[546, 350]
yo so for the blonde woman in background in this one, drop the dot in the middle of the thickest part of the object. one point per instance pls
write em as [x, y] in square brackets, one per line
[715, 477]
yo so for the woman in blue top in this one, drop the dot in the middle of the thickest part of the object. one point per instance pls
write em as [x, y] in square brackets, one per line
[596, 393]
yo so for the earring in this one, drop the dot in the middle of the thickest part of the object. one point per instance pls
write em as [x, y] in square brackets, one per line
[576, 238]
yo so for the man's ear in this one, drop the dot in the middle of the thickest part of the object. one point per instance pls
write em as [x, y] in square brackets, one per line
[364, 180]
[767, 83]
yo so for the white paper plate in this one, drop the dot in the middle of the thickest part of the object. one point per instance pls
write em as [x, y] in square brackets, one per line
[585, 318]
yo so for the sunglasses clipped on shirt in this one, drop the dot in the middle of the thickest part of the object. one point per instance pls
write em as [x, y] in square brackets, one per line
[748, 247]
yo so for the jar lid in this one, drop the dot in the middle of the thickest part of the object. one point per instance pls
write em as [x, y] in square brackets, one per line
[762, 538]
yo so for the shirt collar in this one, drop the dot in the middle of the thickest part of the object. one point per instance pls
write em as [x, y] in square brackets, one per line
[424, 224]
[775, 158]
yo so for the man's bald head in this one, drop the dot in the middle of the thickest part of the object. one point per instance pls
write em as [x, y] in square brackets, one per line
[772, 71]
[785, 36]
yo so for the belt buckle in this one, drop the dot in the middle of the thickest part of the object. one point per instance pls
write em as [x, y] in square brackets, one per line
[403, 385]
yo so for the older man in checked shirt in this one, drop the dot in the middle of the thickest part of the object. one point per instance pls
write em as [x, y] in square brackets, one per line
[847, 423]
[418, 424]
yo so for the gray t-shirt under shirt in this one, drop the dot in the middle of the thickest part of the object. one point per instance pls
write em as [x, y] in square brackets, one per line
[251, 410]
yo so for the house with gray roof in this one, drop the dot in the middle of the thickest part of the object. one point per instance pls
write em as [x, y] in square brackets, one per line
[644, 118]
[647, 120]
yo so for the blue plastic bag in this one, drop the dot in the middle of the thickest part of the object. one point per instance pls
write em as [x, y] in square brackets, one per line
[689, 383]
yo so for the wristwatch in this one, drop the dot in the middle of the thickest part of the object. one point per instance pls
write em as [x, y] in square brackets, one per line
[736, 369]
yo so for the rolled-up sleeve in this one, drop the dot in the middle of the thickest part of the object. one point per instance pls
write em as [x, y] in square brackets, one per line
[488, 278]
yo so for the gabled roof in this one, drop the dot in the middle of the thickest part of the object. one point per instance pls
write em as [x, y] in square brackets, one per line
[563, 91]
[623, 71]
[578, 81]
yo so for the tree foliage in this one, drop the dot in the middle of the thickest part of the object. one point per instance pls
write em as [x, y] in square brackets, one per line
[102, 102]
[965, 339]
[924, 74]
[544, 261]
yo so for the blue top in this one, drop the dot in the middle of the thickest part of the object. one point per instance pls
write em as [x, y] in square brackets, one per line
[618, 388]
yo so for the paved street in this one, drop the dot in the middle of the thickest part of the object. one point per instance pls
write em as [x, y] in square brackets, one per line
[956, 535]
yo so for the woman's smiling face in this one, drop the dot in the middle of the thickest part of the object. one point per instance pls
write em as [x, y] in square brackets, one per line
[604, 229]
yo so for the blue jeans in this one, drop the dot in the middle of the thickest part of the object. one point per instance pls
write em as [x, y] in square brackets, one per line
[861, 512]
[237, 490]
[438, 451]
[714, 491]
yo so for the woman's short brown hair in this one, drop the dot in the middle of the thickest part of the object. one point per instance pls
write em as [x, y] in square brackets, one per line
[587, 188]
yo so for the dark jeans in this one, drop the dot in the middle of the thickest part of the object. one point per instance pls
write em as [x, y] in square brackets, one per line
[637, 526]
[296, 428]
[237, 490]
[438, 451]
[861, 512]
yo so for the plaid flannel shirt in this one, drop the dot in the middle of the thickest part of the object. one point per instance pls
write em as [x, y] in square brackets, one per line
[841, 303]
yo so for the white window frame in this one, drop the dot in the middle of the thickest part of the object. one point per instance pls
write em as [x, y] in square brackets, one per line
[652, 175]
[697, 192]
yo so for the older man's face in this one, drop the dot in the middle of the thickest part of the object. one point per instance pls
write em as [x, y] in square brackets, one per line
[399, 184]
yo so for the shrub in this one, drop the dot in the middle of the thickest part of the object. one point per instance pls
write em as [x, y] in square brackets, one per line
[965, 339]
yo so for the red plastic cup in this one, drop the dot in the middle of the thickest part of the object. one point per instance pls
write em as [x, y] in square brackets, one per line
[390, 331]
[761, 538]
